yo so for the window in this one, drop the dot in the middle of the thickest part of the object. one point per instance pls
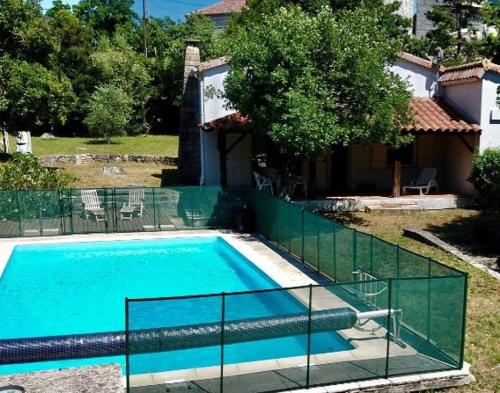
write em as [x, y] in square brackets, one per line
[405, 154]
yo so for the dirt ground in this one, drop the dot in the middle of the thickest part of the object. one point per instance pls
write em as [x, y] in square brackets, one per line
[134, 174]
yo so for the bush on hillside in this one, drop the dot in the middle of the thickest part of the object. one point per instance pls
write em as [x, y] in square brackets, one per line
[38, 185]
[485, 177]
[110, 111]
[24, 172]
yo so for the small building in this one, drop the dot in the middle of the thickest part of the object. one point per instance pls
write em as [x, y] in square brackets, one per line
[455, 113]
[220, 12]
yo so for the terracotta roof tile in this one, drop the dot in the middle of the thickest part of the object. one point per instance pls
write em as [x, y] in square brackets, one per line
[432, 115]
[468, 72]
[418, 61]
[234, 122]
[206, 65]
[222, 7]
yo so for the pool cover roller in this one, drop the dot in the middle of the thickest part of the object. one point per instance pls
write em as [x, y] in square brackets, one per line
[79, 346]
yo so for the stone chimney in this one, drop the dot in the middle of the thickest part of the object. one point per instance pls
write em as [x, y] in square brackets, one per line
[189, 132]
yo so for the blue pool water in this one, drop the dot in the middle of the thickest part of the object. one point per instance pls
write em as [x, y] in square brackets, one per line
[74, 288]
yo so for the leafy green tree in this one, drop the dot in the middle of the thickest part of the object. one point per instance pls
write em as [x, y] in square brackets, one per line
[106, 16]
[24, 33]
[24, 172]
[455, 30]
[118, 64]
[34, 97]
[491, 44]
[309, 81]
[110, 110]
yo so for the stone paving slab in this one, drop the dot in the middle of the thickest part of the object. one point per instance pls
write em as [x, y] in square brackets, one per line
[94, 379]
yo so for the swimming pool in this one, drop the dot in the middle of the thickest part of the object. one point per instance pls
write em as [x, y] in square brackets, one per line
[74, 288]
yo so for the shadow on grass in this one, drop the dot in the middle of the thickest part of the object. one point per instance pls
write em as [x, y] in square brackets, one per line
[477, 234]
[102, 142]
[346, 218]
[169, 177]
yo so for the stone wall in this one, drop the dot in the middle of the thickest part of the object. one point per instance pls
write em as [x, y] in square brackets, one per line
[189, 132]
[79, 159]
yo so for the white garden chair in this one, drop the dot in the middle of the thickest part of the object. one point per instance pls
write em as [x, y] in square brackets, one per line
[263, 183]
[92, 205]
[135, 203]
[425, 182]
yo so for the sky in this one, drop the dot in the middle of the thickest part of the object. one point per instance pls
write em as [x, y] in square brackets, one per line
[175, 9]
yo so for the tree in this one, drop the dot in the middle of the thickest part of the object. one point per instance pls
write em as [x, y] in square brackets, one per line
[117, 63]
[106, 16]
[455, 30]
[309, 81]
[110, 110]
[34, 97]
[24, 33]
[491, 43]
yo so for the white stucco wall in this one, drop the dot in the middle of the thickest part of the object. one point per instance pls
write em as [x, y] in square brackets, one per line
[213, 106]
[466, 99]
[490, 117]
[422, 81]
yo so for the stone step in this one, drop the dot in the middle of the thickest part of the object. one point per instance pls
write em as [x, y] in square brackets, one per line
[394, 208]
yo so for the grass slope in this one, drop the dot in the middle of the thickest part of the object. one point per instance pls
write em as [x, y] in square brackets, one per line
[161, 145]
[483, 311]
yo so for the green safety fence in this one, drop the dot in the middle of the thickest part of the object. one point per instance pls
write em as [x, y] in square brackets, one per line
[105, 210]
[291, 338]
[367, 274]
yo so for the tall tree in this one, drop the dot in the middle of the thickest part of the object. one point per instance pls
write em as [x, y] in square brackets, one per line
[106, 16]
[455, 29]
[309, 81]
[34, 97]
[491, 44]
[117, 64]
[24, 33]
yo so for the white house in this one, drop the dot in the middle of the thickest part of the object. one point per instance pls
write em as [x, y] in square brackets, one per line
[455, 114]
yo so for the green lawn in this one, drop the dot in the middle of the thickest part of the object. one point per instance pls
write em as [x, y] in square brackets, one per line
[483, 311]
[161, 145]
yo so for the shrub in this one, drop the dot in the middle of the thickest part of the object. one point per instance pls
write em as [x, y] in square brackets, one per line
[37, 184]
[24, 172]
[485, 177]
[110, 111]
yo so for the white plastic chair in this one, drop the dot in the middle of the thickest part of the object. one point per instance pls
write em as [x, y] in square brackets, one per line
[299, 181]
[92, 205]
[135, 200]
[263, 183]
[425, 182]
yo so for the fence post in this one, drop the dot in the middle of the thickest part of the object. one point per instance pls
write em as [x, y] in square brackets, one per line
[106, 210]
[429, 260]
[388, 327]
[19, 214]
[371, 255]
[289, 228]
[309, 337]
[302, 237]
[154, 211]
[334, 250]
[223, 317]
[397, 260]
[317, 246]
[61, 210]
[127, 351]
[354, 251]
[464, 320]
